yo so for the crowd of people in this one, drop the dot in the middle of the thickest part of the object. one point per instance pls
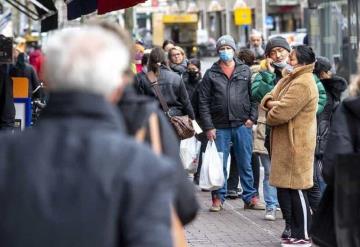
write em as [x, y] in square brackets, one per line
[102, 165]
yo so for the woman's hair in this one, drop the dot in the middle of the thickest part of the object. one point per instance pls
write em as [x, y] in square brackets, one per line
[322, 64]
[247, 56]
[176, 48]
[156, 59]
[166, 42]
[196, 62]
[304, 54]
[145, 59]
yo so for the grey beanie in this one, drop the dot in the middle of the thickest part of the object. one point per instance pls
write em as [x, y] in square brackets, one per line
[225, 40]
[277, 41]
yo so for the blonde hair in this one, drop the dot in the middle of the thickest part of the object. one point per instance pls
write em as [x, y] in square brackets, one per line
[178, 48]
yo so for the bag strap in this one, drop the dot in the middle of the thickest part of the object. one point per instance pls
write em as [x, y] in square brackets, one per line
[155, 84]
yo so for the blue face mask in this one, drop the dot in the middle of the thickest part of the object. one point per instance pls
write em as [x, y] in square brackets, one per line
[226, 55]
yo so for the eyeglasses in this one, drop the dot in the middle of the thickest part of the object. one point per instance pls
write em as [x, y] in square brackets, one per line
[176, 54]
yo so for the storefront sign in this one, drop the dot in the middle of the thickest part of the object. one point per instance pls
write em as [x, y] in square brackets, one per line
[243, 16]
[170, 19]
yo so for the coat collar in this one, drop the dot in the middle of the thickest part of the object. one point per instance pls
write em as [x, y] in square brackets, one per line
[85, 105]
[309, 68]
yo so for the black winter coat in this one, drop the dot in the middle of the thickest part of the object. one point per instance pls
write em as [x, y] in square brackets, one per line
[344, 135]
[344, 138]
[334, 87]
[172, 88]
[136, 110]
[76, 180]
[7, 108]
[27, 71]
[226, 102]
[192, 87]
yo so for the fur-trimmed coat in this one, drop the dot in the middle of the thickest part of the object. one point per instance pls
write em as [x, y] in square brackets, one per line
[293, 135]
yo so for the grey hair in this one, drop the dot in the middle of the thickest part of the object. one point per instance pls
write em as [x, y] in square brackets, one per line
[86, 59]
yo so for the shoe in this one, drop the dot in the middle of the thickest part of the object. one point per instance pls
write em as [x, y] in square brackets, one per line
[216, 206]
[254, 204]
[270, 214]
[296, 242]
[286, 233]
[232, 194]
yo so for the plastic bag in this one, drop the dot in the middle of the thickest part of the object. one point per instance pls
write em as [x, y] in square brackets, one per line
[189, 154]
[212, 173]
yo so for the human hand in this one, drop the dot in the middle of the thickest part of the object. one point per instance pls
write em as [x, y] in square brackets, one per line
[211, 134]
[271, 103]
[249, 124]
[269, 65]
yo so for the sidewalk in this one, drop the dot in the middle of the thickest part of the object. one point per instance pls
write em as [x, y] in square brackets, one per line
[233, 226]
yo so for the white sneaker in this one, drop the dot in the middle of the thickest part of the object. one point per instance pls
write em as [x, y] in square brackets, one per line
[292, 242]
[270, 214]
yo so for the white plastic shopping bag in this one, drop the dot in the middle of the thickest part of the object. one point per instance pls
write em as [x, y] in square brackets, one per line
[189, 154]
[211, 174]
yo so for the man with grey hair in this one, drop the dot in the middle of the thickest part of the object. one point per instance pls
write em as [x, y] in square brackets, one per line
[76, 179]
[256, 44]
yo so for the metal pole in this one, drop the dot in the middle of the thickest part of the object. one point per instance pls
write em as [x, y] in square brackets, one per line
[263, 14]
[227, 16]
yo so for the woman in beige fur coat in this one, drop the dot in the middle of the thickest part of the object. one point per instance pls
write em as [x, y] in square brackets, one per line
[292, 107]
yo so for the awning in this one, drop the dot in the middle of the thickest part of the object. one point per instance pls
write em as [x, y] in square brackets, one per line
[105, 6]
[77, 8]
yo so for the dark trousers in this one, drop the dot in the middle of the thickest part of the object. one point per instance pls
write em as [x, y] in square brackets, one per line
[255, 164]
[295, 207]
[233, 180]
[314, 194]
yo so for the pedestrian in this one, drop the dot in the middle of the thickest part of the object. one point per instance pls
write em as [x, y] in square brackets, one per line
[7, 108]
[85, 183]
[171, 85]
[256, 44]
[138, 55]
[260, 155]
[343, 139]
[192, 79]
[227, 114]
[177, 60]
[334, 86]
[167, 45]
[36, 59]
[25, 70]
[291, 108]
[140, 112]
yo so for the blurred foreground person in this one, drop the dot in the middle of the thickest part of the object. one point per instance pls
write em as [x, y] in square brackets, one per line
[335, 223]
[75, 179]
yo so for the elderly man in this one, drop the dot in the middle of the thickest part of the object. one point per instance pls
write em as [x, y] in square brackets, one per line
[256, 45]
[76, 179]
[228, 113]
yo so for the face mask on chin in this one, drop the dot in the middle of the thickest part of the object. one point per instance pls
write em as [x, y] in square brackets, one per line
[280, 65]
[226, 55]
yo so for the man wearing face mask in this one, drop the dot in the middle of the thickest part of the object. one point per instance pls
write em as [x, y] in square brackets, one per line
[227, 114]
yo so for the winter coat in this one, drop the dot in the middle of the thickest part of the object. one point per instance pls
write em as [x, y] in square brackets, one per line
[36, 59]
[76, 180]
[259, 133]
[136, 110]
[172, 88]
[293, 135]
[226, 103]
[344, 138]
[7, 108]
[192, 87]
[344, 135]
[334, 87]
[179, 69]
[265, 81]
[27, 71]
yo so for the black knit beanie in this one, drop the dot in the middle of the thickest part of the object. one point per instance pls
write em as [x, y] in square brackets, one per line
[277, 41]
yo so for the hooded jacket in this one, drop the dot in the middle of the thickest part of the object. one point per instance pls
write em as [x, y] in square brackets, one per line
[224, 102]
[334, 87]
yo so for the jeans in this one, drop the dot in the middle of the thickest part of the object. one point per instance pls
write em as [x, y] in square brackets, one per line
[241, 137]
[270, 193]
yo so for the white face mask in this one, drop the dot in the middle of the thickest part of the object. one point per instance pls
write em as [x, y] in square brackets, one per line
[280, 65]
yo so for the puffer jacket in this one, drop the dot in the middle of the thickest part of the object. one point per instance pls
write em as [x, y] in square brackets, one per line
[172, 88]
[224, 102]
[265, 81]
